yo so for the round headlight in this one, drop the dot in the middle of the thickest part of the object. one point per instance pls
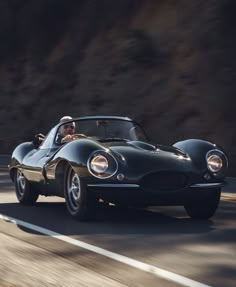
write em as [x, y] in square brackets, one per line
[215, 163]
[99, 164]
[102, 164]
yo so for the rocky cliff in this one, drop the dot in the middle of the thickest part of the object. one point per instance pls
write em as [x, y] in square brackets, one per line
[169, 64]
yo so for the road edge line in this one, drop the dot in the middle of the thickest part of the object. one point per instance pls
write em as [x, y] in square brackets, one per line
[167, 275]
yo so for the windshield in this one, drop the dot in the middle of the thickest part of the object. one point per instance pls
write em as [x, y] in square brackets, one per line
[109, 129]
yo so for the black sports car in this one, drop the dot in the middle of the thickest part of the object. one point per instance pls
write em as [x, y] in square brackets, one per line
[117, 164]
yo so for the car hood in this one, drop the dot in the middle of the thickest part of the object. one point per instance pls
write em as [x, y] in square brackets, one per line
[147, 158]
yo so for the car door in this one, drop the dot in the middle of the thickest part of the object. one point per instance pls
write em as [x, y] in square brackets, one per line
[33, 164]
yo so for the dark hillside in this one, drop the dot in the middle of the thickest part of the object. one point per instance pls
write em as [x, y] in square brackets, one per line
[169, 64]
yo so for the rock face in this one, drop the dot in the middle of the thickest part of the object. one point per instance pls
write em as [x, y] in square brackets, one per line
[168, 64]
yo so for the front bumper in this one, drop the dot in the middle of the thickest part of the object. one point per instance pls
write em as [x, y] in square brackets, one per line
[128, 185]
[133, 194]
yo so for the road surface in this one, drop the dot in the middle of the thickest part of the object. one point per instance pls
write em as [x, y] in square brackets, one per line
[160, 239]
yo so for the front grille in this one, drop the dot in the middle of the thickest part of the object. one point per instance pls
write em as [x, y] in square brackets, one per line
[164, 181]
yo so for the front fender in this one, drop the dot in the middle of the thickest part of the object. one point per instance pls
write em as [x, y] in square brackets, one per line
[78, 151]
[197, 150]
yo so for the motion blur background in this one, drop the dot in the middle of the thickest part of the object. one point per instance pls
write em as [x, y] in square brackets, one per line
[169, 64]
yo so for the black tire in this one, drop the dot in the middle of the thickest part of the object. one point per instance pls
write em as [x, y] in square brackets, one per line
[24, 191]
[81, 204]
[204, 208]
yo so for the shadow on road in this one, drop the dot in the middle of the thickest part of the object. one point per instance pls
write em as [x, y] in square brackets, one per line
[110, 220]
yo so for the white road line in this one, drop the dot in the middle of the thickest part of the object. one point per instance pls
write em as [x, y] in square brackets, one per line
[170, 276]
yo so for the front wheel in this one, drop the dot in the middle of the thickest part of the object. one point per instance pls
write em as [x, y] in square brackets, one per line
[24, 191]
[203, 208]
[79, 202]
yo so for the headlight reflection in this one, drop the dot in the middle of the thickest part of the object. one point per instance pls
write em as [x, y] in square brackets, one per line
[217, 161]
[99, 164]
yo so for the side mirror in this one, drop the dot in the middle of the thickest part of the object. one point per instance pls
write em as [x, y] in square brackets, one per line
[38, 139]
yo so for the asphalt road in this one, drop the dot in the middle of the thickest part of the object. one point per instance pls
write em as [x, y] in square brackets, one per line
[203, 251]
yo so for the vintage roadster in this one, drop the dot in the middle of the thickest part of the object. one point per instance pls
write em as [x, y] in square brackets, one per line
[116, 163]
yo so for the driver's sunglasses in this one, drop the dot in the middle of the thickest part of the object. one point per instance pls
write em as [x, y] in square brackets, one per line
[69, 127]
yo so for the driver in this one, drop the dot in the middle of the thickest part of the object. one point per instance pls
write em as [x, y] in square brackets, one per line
[67, 131]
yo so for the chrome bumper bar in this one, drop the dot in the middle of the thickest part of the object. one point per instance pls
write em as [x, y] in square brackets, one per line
[207, 185]
[127, 185]
[111, 185]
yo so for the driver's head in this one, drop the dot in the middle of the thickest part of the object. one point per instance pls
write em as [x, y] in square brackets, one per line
[68, 128]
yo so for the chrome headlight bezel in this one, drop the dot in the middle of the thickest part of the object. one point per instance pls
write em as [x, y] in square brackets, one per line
[217, 161]
[102, 164]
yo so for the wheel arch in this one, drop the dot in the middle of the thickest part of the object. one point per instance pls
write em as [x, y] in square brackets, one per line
[60, 174]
